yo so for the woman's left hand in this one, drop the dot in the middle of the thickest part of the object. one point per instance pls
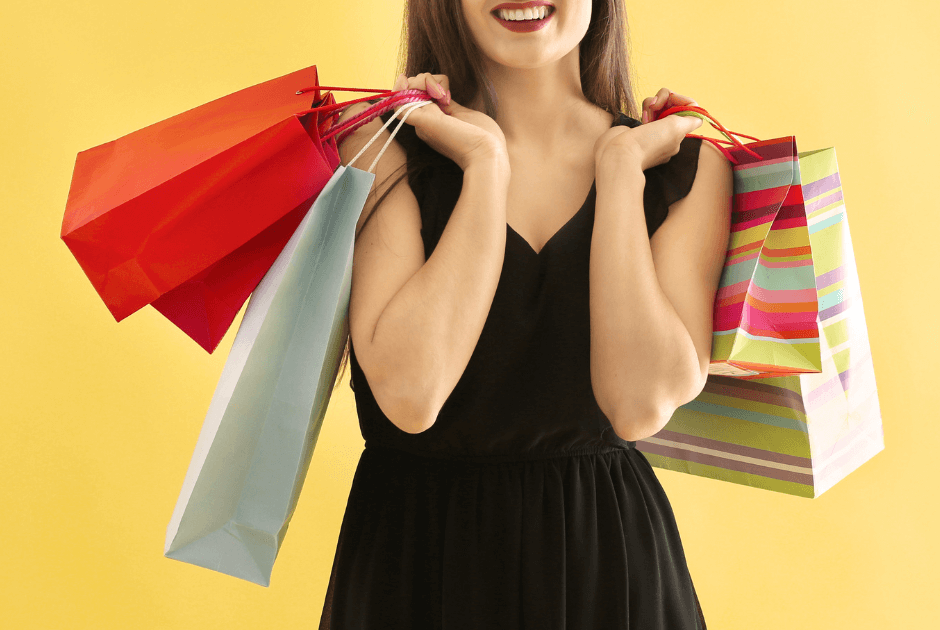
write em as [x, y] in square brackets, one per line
[651, 143]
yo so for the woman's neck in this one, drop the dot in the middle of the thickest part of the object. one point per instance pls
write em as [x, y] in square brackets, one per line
[543, 108]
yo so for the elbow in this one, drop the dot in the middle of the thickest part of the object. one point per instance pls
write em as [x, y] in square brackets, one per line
[695, 386]
[408, 408]
[634, 423]
[638, 417]
[413, 416]
[631, 418]
[635, 419]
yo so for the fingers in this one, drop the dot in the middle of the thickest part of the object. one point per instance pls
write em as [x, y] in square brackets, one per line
[441, 80]
[677, 99]
[654, 104]
[663, 100]
[436, 85]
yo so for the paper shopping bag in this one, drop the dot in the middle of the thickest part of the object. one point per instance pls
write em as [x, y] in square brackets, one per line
[802, 433]
[258, 437]
[188, 214]
[252, 454]
[765, 312]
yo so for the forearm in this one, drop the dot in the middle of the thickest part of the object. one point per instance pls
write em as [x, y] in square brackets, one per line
[643, 361]
[428, 331]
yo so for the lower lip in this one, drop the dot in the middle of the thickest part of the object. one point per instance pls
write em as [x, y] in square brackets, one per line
[525, 26]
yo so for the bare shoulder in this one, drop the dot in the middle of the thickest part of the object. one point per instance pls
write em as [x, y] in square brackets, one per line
[713, 163]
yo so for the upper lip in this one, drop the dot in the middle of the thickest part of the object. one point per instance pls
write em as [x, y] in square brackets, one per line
[522, 5]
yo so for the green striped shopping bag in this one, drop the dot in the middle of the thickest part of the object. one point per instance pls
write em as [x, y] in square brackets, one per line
[791, 403]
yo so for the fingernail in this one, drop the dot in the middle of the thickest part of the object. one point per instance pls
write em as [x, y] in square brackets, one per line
[645, 117]
[447, 97]
[435, 90]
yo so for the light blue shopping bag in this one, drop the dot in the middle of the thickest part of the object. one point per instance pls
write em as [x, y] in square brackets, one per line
[258, 437]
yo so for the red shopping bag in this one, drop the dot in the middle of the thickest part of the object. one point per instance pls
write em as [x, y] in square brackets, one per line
[205, 306]
[189, 213]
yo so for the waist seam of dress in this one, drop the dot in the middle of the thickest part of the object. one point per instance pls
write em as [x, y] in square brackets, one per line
[447, 458]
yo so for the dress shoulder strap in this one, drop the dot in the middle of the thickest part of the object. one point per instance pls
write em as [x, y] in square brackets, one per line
[436, 180]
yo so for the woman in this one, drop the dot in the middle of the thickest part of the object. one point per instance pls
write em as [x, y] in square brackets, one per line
[516, 326]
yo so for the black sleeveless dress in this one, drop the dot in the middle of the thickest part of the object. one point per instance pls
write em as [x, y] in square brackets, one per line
[519, 508]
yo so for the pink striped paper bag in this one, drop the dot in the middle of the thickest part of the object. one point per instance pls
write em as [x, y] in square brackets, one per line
[765, 314]
[798, 433]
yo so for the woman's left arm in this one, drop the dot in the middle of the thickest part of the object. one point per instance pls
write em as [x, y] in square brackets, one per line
[652, 298]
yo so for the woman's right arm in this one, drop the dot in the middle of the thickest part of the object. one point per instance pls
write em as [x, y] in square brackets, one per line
[414, 322]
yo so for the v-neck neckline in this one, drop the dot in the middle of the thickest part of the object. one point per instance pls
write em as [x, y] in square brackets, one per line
[619, 119]
[557, 232]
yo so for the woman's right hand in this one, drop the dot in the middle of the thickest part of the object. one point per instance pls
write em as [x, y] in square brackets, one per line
[464, 135]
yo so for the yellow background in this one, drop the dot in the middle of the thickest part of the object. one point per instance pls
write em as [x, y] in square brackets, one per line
[99, 419]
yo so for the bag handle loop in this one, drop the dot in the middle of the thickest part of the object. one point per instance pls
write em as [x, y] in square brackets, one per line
[407, 109]
[698, 112]
[348, 126]
[398, 97]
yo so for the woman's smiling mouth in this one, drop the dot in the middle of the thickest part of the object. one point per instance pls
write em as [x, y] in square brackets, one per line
[524, 17]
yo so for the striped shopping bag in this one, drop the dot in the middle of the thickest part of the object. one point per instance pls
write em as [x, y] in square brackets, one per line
[754, 423]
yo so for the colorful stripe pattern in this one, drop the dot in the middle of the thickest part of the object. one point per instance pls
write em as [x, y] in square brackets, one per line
[764, 319]
[799, 433]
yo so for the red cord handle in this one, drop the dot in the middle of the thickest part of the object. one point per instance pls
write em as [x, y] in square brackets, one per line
[335, 106]
[341, 89]
[363, 117]
[692, 110]
[409, 96]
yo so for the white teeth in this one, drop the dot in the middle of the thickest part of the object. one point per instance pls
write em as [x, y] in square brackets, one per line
[524, 14]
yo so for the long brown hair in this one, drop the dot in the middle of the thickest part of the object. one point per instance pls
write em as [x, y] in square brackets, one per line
[435, 39]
